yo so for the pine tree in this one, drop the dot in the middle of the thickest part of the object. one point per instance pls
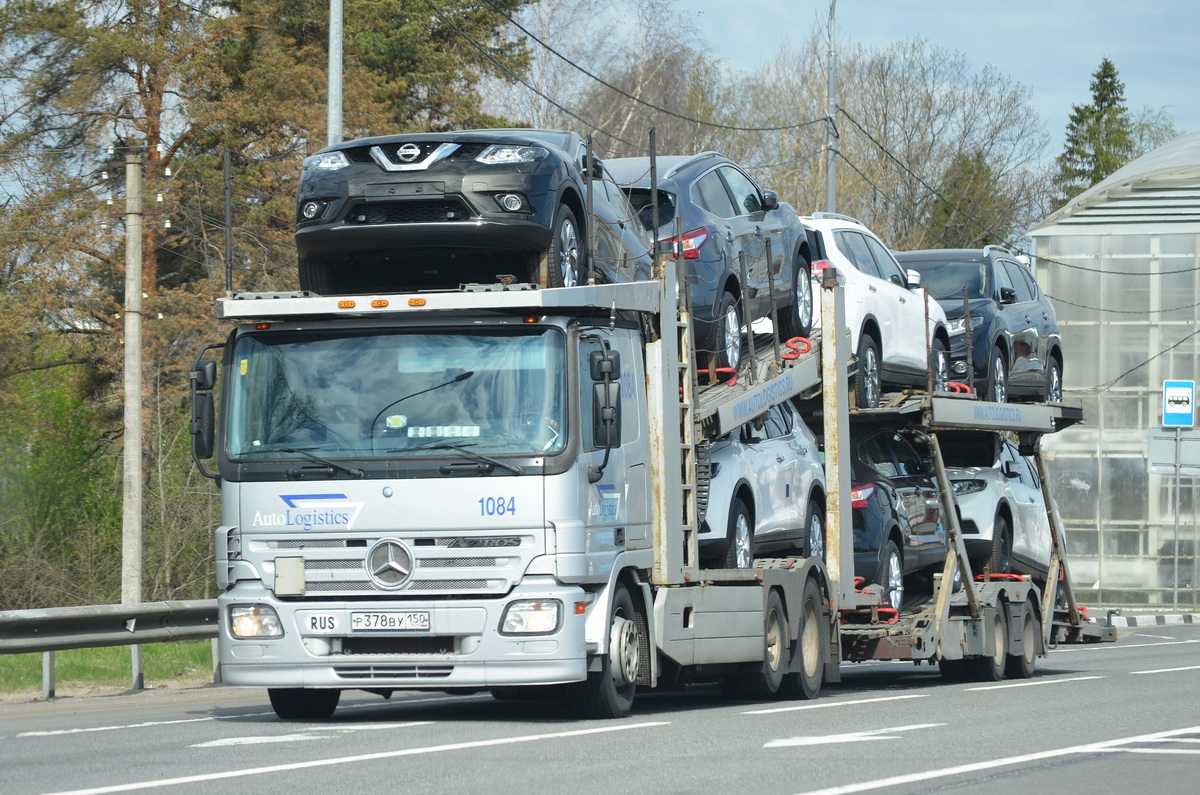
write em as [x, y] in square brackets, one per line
[1100, 137]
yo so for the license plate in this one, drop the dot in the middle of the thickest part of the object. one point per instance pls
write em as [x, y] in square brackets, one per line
[392, 621]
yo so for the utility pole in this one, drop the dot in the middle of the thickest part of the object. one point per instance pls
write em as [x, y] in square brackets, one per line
[131, 514]
[831, 126]
[334, 126]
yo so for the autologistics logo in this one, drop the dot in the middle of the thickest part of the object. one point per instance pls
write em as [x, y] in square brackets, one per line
[312, 512]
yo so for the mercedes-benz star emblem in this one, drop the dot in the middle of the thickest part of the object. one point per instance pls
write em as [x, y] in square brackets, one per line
[408, 152]
[389, 563]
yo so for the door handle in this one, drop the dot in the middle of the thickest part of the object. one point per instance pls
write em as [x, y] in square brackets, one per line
[872, 289]
[903, 300]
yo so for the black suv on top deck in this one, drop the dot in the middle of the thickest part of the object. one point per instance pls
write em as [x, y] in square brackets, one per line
[436, 210]
[1016, 348]
[721, 211]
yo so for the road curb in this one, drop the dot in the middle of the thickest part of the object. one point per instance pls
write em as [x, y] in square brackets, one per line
[1150, 620]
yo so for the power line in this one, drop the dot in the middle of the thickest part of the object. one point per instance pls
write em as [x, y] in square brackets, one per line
[640, 101]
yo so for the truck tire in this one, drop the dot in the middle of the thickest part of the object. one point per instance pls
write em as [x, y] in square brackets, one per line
[765, 681]
[797, 320]
[991, 668]
[812, 646]
[1021, 666]
[609, 692]
[564, 260]
[302, 703]
[740, 534]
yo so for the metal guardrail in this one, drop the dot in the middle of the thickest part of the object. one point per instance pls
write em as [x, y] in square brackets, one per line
[91, 626]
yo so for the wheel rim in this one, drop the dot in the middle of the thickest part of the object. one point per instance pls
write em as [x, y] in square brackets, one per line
[999, 379]
[568, 254]
[804, 297]
[775, 642]
[1054, 392]
[941, 370]
[741, 542]
[894, 585]
[816, 538]
[1029, 637]
[1001, 642]
[870, 376]
[624, 651]
[1004, 558]
[810, 641]
[733, 336]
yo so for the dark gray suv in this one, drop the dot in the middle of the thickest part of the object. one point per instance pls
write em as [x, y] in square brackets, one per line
[720, 212]
[992, 301]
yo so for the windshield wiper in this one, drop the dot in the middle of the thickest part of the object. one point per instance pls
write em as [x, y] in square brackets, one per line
[354, 473]
[460, 447]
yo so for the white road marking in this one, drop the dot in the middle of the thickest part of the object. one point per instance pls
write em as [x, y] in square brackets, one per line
[975, 767]
[1168, 670]
[1113, 647]
[314, 733]
[852, 737]
[1185, 751]
[343, 760]
[114, 728]
[827, 704]
[1035, 684]
[1160, 637]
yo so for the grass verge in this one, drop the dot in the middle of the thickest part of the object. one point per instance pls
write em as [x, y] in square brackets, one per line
[187, 661]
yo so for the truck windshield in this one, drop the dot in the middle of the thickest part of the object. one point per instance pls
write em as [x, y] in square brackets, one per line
[388, 394]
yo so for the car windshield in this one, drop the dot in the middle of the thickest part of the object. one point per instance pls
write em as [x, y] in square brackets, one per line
[947, 279]
[366, 394]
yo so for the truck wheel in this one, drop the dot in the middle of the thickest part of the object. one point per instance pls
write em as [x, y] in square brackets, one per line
[991, 668]
[797, 320]
[866, 379]
[1021, 666]
[740, 552]
[564, 261]
[302, 703]
[812, 646]
[764, 683]
[1001, 559]
[609, 692]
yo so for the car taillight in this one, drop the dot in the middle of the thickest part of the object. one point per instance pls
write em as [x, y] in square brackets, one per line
[860, 494]
[820, 266]
[692, 241]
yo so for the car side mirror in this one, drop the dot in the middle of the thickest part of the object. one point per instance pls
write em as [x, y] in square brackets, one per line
[914, 278]
[1010, 470]
[770, 200]
[1008, 295]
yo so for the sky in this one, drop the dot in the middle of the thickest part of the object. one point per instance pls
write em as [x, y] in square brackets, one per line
[1051, 47]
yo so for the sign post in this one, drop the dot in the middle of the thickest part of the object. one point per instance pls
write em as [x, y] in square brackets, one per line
[1179, 412]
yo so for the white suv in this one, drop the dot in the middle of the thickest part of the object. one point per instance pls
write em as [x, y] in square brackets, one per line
[897, 332]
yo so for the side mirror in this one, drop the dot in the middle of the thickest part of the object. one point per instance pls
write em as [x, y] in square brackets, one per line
[606, 414]
[204, 377]
[914, 278]
[1009, 468]
[770, 200]
[202, 425]
[604, 365]
[1008, 295]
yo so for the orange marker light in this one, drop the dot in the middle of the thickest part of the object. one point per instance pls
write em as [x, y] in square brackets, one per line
[345, 304]
[416, 302]
[378, 303]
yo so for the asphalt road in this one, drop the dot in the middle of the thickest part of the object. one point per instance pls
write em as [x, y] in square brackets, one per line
[1121, 717]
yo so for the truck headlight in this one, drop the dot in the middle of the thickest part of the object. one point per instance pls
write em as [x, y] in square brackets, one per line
[531, 617]
[254, 621]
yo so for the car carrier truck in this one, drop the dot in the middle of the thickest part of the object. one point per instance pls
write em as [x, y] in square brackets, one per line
[499, 487]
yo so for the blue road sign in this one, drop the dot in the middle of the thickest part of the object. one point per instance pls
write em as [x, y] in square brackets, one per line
[1179, 404]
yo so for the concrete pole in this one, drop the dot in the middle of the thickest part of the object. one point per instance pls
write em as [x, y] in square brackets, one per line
[131, 515]
[334, 126]
[831, 125]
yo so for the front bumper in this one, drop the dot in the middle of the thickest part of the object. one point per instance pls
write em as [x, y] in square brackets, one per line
[462, 648]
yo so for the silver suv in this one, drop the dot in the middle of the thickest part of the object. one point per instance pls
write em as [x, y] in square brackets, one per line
[899, 334]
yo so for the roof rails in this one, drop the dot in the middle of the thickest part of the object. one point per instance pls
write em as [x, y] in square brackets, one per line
[1001, 249]
[838, 216]
[687, 162]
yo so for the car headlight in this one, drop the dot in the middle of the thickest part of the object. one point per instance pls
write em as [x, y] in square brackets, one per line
[254, 621]
[326, 161]
[968, 486]
[506, 153]
[531, 617]
[959, 324]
